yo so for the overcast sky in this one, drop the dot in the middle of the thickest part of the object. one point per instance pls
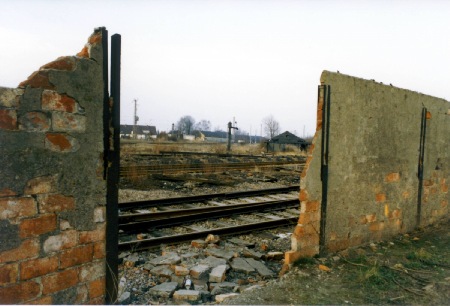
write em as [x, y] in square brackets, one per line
[216, 60]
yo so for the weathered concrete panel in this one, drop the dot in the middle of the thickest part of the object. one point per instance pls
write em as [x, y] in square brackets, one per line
[373, 155]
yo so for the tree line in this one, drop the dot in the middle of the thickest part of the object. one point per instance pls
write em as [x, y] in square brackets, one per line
[187, 125]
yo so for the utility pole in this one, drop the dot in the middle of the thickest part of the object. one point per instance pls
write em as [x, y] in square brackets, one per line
[136, 119]
[230, 127]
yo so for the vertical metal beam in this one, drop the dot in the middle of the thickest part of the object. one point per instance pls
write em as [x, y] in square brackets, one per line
[113, 175]
[423, 130]
[324, 94]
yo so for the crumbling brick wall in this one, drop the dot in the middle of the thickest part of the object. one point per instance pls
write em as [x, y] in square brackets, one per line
[52, 192]
[372, 183]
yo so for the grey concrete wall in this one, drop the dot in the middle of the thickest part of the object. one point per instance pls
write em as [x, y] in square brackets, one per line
[373, 183]
[52, 192]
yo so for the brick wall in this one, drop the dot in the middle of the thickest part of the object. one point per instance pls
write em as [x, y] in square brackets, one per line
[52, 192]
[372, 190]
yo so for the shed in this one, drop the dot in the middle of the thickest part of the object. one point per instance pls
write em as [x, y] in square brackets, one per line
[279, 143]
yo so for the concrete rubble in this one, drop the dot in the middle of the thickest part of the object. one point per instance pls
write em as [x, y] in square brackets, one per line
[196, 273]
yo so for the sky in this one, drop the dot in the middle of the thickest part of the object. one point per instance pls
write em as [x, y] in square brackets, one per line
[244, 59]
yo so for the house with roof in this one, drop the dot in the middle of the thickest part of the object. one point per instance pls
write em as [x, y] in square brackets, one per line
[279, 142]
[142, 131]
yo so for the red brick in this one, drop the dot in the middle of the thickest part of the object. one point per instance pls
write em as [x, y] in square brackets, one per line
[51, 100]
[38, 267]
[9, 273]
[428, 183]
[405, 194]
[93, 236]
[37, 226]
[46, 300]
[303, 196]
[392, 177]
[396, 213]
[68, 122]
[55, 203]
[6, 192]
[444, 187]
[97, 288]
[65, 240]
[34, 121]
[8, 119]
[84, 52]
[76, 256]
[380, 197]
[338, 245]
[62, 63]
[38, 79]
[28, 249]
[376, 226]
[428, 116]
[306, 218]
[371, 218]
[95, 38]
[444, 203]
[17, 207]
[39, 185]
[310, 206]
[99, 250]
[59, 281]
[60, 142]
[19, 293]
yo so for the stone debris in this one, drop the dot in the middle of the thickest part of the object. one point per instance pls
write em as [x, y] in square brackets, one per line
[225, 254]
[193, 275]
[199, 271]
[213, 262]
[222, 297]
[124, 298]
[217, 274]
[260, 268]
[164, 289]
[167, 259]
[186, 295]
[241, 265]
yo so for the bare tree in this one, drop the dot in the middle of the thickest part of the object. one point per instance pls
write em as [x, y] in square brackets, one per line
[271, 126]
[185, 124]
[203, 125]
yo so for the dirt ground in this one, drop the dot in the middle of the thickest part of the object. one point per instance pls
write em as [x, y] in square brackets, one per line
[411, 269]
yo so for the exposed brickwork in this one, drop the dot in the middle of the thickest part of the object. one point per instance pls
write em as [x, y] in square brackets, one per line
[50, 203]
[52, 247]
[37, 226]
[53, 101]
[9, 273]
[34, 121]
[8, 119]
[59, 281]
[38, 267]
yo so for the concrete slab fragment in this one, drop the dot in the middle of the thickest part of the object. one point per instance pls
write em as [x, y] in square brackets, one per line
[222, 297]
[241, 265]
[217, 274]
[252, 254]
[225, 254]
[164, 289]
[168, 259]
[199, 270]
[213, 261]
[162, 271]
[186, 295]
[260, 268]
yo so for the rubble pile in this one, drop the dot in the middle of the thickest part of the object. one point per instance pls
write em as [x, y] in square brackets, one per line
[202, 272]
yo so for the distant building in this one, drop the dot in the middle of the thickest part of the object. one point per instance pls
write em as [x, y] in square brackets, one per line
[279, 143]
[142, 131]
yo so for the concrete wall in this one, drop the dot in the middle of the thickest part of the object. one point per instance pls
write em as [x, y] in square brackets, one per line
[52, 192]
[373, 155]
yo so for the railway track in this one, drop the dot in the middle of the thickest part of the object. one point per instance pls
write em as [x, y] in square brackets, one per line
[160, 221]
[144, 170]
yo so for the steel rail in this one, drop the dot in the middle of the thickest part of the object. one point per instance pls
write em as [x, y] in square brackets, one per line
[203, 197]
[209, 167]
[172, 218]
[224, 231]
